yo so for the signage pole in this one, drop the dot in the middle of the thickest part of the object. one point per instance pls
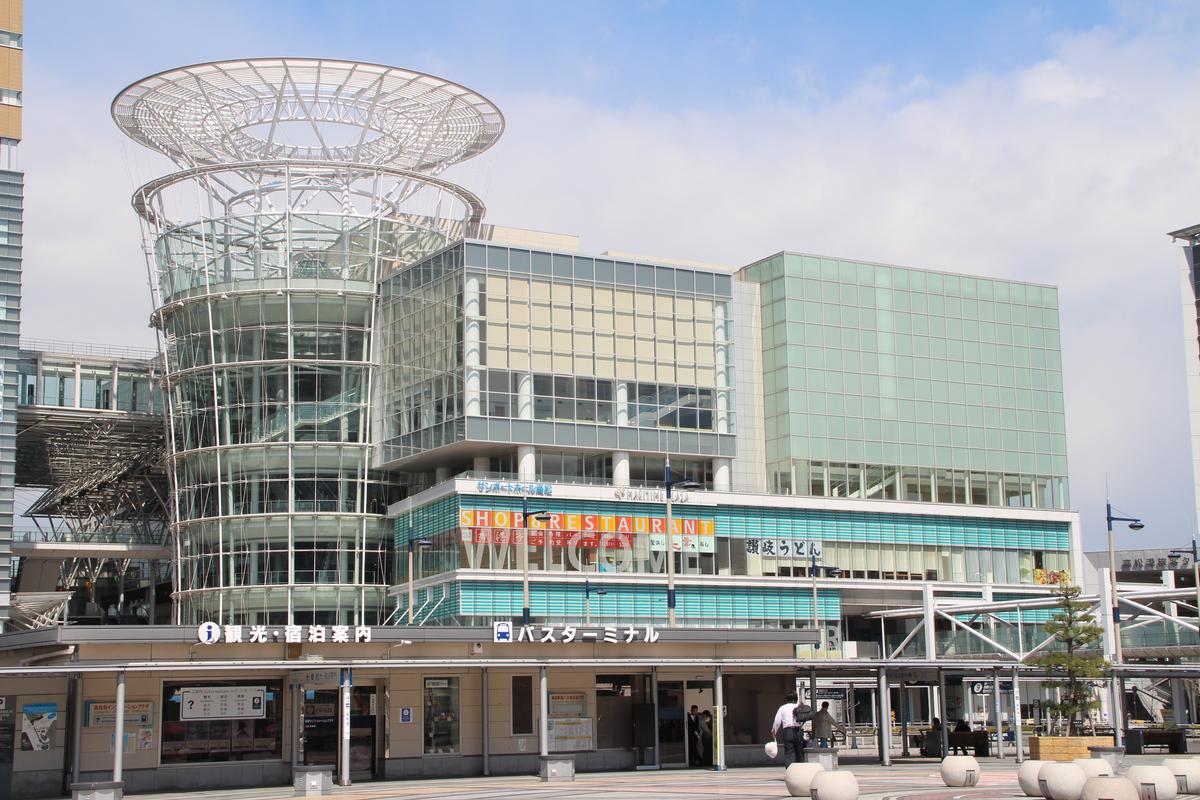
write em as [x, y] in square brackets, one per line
[670, 552]
[119, 731]
[77, 729]
[344, 758]
[719, 720]
[996, 706]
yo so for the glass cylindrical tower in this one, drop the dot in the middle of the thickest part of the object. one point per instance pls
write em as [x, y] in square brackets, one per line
[303, 183]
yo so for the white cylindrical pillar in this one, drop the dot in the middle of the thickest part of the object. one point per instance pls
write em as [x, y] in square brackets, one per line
[622, 414]
[722, 475]
[481, 464]
[525, 396]
[544, 722]
[620, 468]
[527, 463]
[119, 732]
[472, 325]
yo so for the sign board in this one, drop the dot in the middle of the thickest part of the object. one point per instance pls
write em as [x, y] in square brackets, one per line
[506, 632]
[103, 714]
[211, 633]
[406, 715]
[779, 547]
[569, 734]
[317, 677]
[568, 704]
[223, 702]
[825, 693]
[37, 725]
[985, 687]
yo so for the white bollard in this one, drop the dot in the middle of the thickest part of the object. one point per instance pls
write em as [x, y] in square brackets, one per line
[1109, 787]
[799, 776]
[1094, 767]
[1186, 772]
[1153, 783]
[840, 785]
[1061, 781]
[1027, 777]
[960, 771]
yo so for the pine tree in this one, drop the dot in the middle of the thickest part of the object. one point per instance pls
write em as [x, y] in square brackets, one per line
[1076, 631]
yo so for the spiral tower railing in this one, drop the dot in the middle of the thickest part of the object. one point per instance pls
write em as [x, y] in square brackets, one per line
[302, 183]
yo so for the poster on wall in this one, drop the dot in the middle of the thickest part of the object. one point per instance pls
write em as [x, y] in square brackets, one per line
[37, 725]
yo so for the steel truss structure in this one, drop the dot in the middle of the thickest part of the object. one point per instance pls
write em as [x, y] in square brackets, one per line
[302, 183]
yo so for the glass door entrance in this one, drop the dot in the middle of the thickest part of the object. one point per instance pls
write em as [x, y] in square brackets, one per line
[320, 709]
[672, 725]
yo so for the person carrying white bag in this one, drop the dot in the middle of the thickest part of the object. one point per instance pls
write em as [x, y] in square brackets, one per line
[787, 730]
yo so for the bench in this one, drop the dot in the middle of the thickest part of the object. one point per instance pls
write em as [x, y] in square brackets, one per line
[978, 740]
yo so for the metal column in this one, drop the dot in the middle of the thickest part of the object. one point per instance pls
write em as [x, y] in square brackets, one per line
[119, 733]
[996, 711]
[654, 694]
[1109, 643]
[344, 729]
[544, 722]
[885, 720]
[719, 721]
[486, 702]
[1017, 717]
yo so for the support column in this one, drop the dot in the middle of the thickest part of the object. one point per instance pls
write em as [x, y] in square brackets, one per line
[119, 732]
[344, 731]
[943, 704]
[526, 464]
[487, 767]
[442, 474]
[885, 720]
[930, 628]
[76, 727]
[481, 464]
[1108, 643]
[722, 474]
[622, 403]
[544, 722]
[721, 359]
[996, 711]
[1017, 717]
[472, 324]
[719, 720]
[525, 396]
[654, 694]
[1179, 704]
[620, 468]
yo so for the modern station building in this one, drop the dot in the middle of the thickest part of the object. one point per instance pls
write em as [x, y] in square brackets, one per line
[509, 498]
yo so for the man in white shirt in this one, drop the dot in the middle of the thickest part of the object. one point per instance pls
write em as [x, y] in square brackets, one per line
[786, 731]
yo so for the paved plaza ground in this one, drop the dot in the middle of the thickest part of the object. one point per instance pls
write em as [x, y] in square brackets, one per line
[908, 780]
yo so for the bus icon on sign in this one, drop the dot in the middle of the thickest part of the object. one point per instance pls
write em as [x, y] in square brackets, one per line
[501, 631]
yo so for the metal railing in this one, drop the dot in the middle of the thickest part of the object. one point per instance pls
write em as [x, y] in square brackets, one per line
[88, 349]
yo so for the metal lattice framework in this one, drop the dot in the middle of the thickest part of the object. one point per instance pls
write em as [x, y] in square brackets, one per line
[307, 109]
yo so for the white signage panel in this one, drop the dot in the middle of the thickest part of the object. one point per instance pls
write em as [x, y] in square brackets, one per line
[223, 702]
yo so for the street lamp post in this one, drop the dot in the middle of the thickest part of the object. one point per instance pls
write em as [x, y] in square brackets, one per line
[1135, 524]
[540, 516]
[413, 544]
[682, 483]
[587, 599]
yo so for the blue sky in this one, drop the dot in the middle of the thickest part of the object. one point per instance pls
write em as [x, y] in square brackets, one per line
[1053, 142]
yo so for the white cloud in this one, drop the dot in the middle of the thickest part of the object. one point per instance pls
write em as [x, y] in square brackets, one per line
[1067, 171]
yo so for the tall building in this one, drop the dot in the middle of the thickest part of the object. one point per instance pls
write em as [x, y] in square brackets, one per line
[1189, 289]
[476, 467]
[12, 182]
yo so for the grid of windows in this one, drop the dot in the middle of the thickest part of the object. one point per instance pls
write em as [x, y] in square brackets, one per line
[875, 376]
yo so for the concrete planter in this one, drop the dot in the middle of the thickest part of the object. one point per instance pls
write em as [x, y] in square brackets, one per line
[1064, 748]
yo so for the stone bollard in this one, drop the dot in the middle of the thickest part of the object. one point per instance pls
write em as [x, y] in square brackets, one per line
[960, 771]
[840, 785]
[101, 790]
[1186, 772]
[1153, 783]
[1061, 781]
[312, 780]
[1110, 787]
[1027, 777]
[1095, 767]
[1113, 755]
[799, 776]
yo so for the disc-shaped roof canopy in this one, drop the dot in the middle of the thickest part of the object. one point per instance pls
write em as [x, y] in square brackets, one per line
[307, 109]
